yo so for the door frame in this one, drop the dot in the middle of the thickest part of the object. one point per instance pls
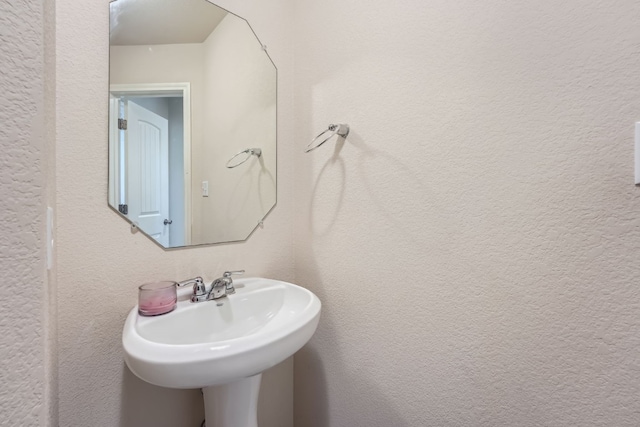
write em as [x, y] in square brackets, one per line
[157, 89]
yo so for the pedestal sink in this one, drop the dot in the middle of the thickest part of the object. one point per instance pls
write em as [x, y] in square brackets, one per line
[224, 345]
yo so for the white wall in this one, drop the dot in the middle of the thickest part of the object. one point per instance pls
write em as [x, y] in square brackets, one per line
[100, 263]
[27, 347]
[475, 241]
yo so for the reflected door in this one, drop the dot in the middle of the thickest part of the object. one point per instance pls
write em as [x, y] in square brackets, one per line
[147, 172]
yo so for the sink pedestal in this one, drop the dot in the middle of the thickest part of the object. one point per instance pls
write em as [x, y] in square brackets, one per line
[234, 404]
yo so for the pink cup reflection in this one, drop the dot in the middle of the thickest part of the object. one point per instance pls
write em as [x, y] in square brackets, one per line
[157, 298]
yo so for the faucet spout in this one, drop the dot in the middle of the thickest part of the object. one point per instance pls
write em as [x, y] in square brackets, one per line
[223, 286]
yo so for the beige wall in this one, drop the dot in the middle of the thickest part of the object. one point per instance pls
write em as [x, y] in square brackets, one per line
[26, 114]
[100, 263]
[49, 415]
[240, 113]
[476, 240]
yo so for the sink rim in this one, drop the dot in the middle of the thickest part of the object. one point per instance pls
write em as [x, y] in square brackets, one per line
[147, 326]
[152, 352]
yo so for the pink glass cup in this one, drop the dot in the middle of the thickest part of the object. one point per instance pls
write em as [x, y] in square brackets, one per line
[157, 298]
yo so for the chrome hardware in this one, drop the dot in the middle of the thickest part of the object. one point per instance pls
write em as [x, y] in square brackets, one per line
[190, 281]
[248, 153]
[224, 285]
[167, 222]
[220, 287]
[228, 281]
[199, 288]
[200, 292]
[341, 129]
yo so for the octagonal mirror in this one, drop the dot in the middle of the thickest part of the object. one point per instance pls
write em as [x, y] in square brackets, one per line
[192, 122]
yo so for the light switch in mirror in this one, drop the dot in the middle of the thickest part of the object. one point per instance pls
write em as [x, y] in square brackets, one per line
[191, 86]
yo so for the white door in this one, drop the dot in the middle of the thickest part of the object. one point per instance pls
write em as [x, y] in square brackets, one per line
[148, 172]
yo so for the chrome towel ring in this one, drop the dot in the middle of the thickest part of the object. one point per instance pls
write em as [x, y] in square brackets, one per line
[247, 155]
[341, 129]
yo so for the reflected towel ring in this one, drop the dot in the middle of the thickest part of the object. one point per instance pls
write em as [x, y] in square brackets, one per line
[341, 129]
[249, 152]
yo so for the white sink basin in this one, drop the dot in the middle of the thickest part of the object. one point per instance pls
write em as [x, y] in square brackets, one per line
[218, 342]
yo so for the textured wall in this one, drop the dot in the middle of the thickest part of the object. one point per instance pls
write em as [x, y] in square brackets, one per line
[23, 400]
[476, 240]
[50, 332]
[100, 263]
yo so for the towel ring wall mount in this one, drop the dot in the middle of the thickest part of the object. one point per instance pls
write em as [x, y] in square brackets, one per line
[246, 155]
[340, 129]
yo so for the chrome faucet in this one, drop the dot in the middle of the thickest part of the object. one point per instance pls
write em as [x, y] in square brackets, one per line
[199, 288]
[223, 286]
[220, 287]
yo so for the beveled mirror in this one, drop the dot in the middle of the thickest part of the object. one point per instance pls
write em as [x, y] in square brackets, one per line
[192, 122]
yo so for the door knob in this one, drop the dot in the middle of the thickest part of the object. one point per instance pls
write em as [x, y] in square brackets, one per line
[167, 222]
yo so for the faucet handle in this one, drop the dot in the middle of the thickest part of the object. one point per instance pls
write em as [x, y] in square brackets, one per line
[199, 288]
[230, 273]
[190, 281]
[228, 281]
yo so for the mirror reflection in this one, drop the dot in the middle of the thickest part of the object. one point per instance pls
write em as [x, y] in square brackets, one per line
[192, 122]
